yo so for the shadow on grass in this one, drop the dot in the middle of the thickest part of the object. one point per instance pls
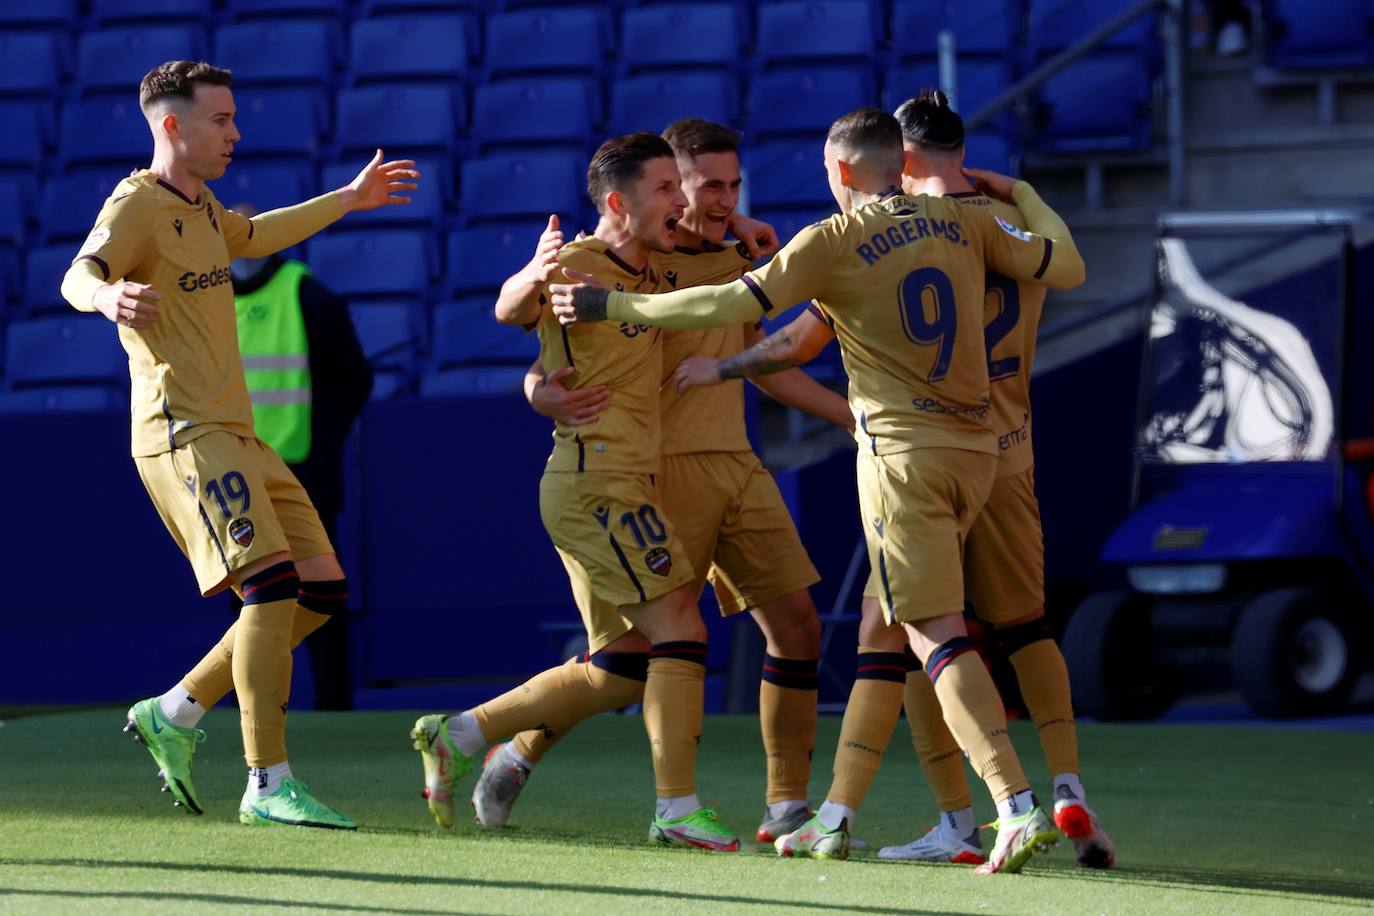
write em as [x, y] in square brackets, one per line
[412, 881]
[256, 903]
[1211, 880]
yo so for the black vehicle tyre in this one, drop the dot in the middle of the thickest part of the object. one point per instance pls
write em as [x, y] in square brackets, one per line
[1108, 647]
[1292, 653]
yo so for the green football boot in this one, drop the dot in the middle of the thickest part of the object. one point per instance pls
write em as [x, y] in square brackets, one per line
[172, 748]
[444, 765]
[701, 829]
[812, 840]
[1019, 838]
[291, 805]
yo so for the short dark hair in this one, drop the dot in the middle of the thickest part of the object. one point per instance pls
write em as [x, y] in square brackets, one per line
[619, 163]
[866, 128]
[692, 137]
[177, 79]
[929, 122]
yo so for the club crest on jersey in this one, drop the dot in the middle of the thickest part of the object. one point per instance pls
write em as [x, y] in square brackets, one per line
[93, 241]
[1013, 231]
[241, 530]
[659, 561]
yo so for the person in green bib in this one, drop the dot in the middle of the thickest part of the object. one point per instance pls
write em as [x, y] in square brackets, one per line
[308, 380]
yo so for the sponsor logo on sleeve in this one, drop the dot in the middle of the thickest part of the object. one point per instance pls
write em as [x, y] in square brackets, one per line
[94, 241]
[1013, 231]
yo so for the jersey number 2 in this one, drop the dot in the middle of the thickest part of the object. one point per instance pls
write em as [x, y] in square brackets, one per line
[928, 291]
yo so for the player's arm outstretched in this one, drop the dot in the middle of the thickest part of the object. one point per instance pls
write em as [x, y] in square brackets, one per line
[377, 185]
[518, 302]
[771, 364]
[549, 398]
[799, 272]
[118, 244]
[1016, 254]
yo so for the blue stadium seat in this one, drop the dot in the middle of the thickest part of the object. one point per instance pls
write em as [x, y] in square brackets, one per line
[13, 215]
[70, 203]
[545, 112]
[390, 263]
[405, 119]
[1336, 36]
[811, 32]
[1100, 103]
[43, 271]
[278, 122]
[567, 41]
[275, 9]
[473, 381]
[480, 259]
[386, 7]
[289, 51]
[655, 100]
[1053, 25]
[517, 188]
[56, 13]
[30, 64]
[108, 12]
[392, 335]
[466, 336]
[21, 142]
[978, 82]
[426, 202]
[104, 129]
[75, 350]
[987, 28]
[984, 150]
[786, 174]
[806, 101]
[265, 185]
[703, 35]
[64, 399]
[115, 60]
[400, 48]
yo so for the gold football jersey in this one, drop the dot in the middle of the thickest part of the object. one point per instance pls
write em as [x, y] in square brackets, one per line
[1011, 321]
[626, 357]
[185, 369]
[903, 281]
[708, 419]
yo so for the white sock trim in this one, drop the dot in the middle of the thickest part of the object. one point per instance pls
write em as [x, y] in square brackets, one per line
[180, 708]
[673, 808]
[832, 814]
[465, 732]
[263, 781]
[1016, 805]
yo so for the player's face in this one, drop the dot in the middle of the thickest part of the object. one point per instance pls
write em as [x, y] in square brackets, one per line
[208, 133]
[711, 182]
[655, 204]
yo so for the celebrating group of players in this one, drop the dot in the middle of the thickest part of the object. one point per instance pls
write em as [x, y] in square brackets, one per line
[931, 277]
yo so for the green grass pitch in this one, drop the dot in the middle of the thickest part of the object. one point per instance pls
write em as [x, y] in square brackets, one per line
[1206, 819]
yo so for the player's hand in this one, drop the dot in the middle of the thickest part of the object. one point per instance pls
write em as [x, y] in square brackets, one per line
[545, 261]
[993, 184]
[696, 372]
[133, 305]
[760, 238]
[581, 300]
[378, 182]
[569, 408]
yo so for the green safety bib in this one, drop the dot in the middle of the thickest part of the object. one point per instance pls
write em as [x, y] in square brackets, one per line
[276, 361]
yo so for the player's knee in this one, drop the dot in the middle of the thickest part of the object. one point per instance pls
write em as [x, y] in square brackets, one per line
[631, 642]
[323, 596]
[322, 568]
[790, 626]
[1014, 638]
[278, 582]
[874, 630]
